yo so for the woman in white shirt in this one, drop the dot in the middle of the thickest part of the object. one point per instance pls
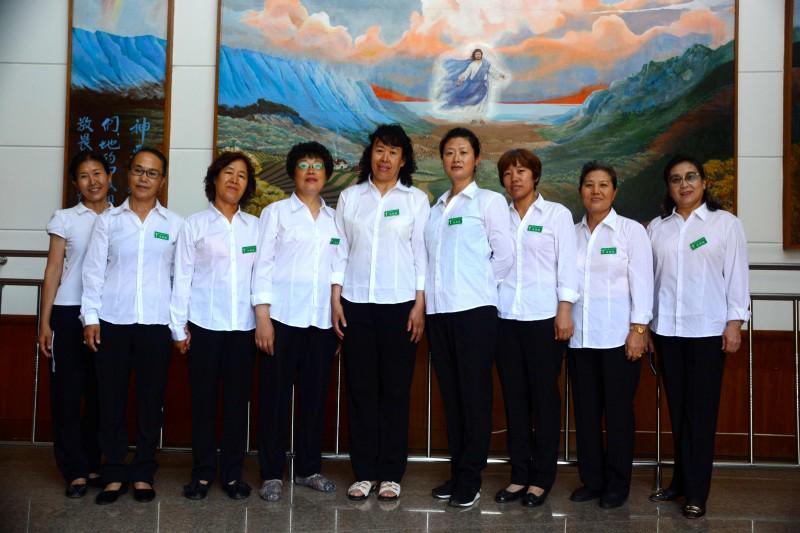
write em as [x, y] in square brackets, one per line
[212, 321]
[470, 249]
[615, 284]
[536, 300]
[125, 313]
[292, 293]
[72, 376]
[378, 307]
[701, 301]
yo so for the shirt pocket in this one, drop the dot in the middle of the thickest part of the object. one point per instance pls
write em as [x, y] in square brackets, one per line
[398, 225]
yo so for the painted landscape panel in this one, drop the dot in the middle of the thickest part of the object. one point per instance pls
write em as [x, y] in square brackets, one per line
[118, 90]
[627, 81]
[791, 130]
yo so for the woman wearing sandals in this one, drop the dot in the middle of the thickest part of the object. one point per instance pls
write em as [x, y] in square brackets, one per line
[701, 301]
[535, 321]
[470, 249]
[213, 321]
[378, 307]
[125, 312]
[291, 293]
[72, 375]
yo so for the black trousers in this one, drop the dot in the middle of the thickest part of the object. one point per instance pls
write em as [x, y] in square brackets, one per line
[604, 381]
[72, 382]
[145, 350]
[462, 349]
[214, 357]
[379, 362]
[303, 355]
[529, 363]
[692, 372]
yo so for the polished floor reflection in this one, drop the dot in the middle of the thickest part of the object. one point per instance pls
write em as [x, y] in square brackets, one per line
[31, 499]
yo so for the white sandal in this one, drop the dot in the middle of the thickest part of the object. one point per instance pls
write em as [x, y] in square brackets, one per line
[365, 487]
[389, 486]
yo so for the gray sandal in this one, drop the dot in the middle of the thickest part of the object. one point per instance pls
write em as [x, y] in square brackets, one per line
[271, 490]
[316, 482]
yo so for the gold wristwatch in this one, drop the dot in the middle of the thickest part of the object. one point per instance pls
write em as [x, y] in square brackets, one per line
[638, 329]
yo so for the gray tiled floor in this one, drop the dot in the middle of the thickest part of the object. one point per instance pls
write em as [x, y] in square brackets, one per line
[31, 499]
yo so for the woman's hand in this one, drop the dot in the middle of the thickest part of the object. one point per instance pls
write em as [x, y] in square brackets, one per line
[732, 336]
[265, 331]
[91, 336]
[46, 340]
[337, 311]
[183, 346]
[416, 321]
[563, 323]
[635, 344]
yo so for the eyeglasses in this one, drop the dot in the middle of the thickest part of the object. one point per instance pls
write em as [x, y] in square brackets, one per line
[691, 178]
[151, 173]
[305, 165]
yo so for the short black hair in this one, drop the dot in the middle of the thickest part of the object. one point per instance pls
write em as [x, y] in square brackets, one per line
[223, 160]
[82, 157]
[593, 165]
[668, 204]
[391, 135]
[462, 133]
[150, 150]
[521, 157]
[312, 150]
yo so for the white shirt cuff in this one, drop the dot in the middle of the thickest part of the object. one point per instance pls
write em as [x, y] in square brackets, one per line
[420, 283]
[337, 278]
[641, 318]
[90, 319]
[178, 332]
[261, 298]
[738, 314]
[567, 295]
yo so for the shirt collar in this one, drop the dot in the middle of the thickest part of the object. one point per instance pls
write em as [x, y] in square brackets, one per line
[295, 204]
[610, 220]
[371, 186]
[702, 212]
[469, 191]
[239, 213]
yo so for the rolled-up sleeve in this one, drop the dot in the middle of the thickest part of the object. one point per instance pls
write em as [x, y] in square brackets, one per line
[343, 250]
[94, 271]
[501, 240]
[566, 258]
[640, 275]
[736, 272]
[264, 266]
[182, 282]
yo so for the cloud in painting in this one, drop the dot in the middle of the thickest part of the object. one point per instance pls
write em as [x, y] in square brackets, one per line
[128, 18]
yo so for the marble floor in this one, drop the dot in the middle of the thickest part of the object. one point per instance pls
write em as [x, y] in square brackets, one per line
[31, 499]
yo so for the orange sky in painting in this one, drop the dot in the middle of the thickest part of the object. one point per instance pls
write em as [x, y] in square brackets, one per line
[575, 98]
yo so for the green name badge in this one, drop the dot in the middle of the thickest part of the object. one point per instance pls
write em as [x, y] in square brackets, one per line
[335, 241]
[608, 251]
[162, 236]
[392, 213]
[249, 249]
[535, 229]
[454, 221]
[698, 243]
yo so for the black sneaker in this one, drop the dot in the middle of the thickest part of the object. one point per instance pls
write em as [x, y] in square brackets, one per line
[464, 500]
[443, 491]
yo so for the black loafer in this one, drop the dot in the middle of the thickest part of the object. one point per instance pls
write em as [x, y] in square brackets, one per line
[443, 491]
[506, 496]
[144, 495]
[611, 500]
[238, 490]
[110, 496]
[665, 495]
[585, 494]
[532, 500]
[75, 491]
[694, 511]
[195, 490]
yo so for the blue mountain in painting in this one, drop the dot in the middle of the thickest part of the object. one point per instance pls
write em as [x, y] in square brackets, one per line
[318, 95]
[105, 62]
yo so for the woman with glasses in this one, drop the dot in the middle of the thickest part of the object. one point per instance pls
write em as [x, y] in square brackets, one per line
[615, 283]
[212, 321]
[125, 312]
[72, 375]
[292, 292]
[701, 301]
[378, 307]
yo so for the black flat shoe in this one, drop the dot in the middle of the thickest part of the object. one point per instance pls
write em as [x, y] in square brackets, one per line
[195, 490]
[665, 495]
[75, 491]
[144, 495]
[443, 491]
[96, 482]
[110, 496]
[238, 490]
[694, 511]
[585, 494]
[611, 500]
[506, 496]
[532, 500]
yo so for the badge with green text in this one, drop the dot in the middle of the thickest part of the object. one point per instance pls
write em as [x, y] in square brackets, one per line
[162, 236]
[392, 213]
[608, 251]
[335, 241]
[249, 249]
[454, 221]
[535, 229]
[698, 243]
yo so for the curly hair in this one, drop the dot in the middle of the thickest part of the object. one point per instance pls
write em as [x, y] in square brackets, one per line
[391, 135]
[668, 204]
[310, 149]
[222, 161]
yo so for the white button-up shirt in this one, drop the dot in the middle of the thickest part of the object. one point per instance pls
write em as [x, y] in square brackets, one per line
[381, 258]
[294, 263]
[701, 273]
[74, 225]
[544, 270]
[470, 250]
[213, 270]
[127, 268]
[615, 282]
